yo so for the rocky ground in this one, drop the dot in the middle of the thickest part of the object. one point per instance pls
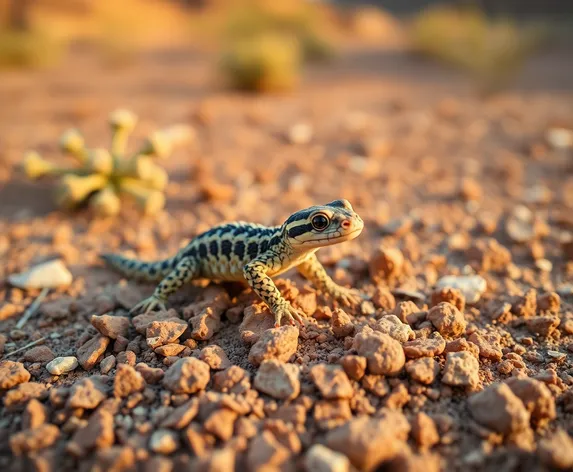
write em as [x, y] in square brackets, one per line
[461, 358]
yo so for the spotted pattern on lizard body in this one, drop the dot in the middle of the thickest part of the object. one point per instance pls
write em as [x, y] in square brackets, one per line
[253, 253]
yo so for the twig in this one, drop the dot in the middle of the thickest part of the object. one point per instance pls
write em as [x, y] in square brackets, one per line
[32, 308]
[33, 343]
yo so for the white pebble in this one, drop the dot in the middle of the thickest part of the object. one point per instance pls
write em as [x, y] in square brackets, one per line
[560, 138]
[61, 365]
[472, 286]
[322, 459]
[50, 274]
[301, 133]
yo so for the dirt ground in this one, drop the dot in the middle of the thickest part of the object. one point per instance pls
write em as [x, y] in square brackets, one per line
[447, 183]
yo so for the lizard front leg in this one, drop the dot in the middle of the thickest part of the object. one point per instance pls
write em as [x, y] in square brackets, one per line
[313, 270]
[255, 273]
[184, 272]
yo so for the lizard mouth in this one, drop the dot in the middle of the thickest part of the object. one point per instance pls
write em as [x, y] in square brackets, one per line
[334, 237]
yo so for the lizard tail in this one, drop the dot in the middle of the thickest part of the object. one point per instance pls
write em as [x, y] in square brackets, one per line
[149, 271]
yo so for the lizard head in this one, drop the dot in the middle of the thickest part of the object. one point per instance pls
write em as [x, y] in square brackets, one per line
[323, 225]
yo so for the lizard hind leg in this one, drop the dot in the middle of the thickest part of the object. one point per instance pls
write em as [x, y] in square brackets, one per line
[185, 271]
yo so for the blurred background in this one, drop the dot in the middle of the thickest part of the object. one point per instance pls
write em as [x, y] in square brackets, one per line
[417, 108]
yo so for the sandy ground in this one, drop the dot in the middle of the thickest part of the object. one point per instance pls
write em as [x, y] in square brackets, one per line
[447, 184]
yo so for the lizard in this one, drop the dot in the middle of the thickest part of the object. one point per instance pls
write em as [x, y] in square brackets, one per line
[254, 254]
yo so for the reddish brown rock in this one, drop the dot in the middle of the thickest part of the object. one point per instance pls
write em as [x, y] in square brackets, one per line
[256, 320]
[117, 458]
[393, 327]
[368, 442]
[98, 433]
[331, 381]
[205, 316]
[31, 440]
[404, 310]
[386, 263]
[12, 374]
[549, 303]
[197, 442]
[187, 375]
[543, 326]
[168, 350]
[277, 343]
[126, 357]
[425, 347]
[487, 345]
[215, 357]
[462, 344]
[525, 306]
[448, 320]
[233, 379]
[536, 397]
[127, 381]
[90, 352]
[221, 423]
[423, 370]
[354, 366]
[41, 354]
[111, 326]
[142, 322]
[182, 415]
[329, 414]
[266, 453]
[151, 375]
[488, 255]
[163, 332]
[277, 379]
[498, 409]
[23, 393]
[424, 431]
[556, 450]
[383, 299]
[450, 295]
[384, 355]
[34, 415]
[341, 323]
[461, 370]
[375, 384]
[87, 393]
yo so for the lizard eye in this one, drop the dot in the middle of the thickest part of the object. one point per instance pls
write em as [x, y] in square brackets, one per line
[319, 222]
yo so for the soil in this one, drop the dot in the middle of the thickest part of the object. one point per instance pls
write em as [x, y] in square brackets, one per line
[417, 376]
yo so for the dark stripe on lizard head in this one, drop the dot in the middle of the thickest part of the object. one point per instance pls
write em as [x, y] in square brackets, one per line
[298, 230]
[299, 215]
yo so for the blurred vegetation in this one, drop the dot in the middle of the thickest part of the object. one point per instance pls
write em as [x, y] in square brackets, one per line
[263, 63]
[22, 43]
[492, 50]
[33, 48]
[266, 44]
[103, 176]
[254, 19]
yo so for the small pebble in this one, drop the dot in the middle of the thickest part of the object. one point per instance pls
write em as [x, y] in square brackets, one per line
[62, 365]
[50, 274]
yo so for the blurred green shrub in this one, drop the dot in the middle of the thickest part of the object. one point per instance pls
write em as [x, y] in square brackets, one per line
[493, 50]
[263, 63]
[256, 18]
[266, 44]
[31, 48]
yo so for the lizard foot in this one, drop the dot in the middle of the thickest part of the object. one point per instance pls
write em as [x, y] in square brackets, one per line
[149, 304]
[349, 297]
[286, 310]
